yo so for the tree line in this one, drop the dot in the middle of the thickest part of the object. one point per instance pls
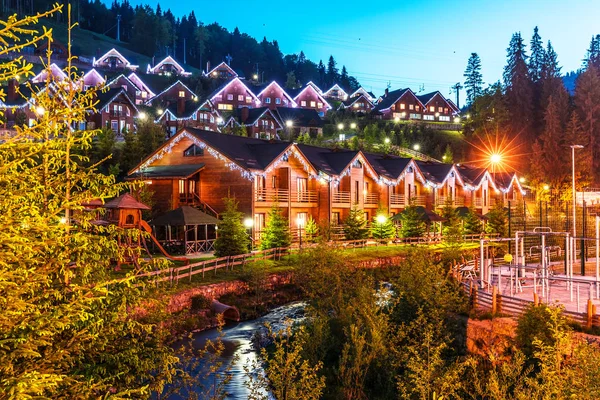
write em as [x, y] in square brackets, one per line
[158, 33]
[532, 105]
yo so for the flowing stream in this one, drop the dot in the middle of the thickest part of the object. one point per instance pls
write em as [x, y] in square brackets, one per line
[237, 339]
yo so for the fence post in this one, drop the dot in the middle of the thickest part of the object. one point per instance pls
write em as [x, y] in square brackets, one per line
[474, 293]
[203, 268]
[494, 299]
[190, 272]
[590, 313]
[536, 299]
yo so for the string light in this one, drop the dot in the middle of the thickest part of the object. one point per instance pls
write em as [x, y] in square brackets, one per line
[169, 60]
[114, 53]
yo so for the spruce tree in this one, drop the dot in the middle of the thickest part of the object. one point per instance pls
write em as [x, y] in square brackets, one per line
[277, 231]
[385, 229]
[312, 230]
[291, 80]
[412, 222]
[473, 78]
[452, 227]
[583, 157]
[355, 226]
[592, 58]
[587, 104]
[321, 72]
[497, 221]
[344, 79]
[332, 72]
[448, 156]
[233, 238]
[471, 223]
[536, 61]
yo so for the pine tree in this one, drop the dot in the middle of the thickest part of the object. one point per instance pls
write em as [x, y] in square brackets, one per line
[344, 79]
[537, 59]
[233, 237]
[518, 89]
[332, 72]
[473, 78]
[312, 230]
[322, 73]
[448, 156]
[291, 81]
[452, 226]
[592, 58]
[412, 222]
[471, 223]
[497, 221]
[355, 226]
[551, 79]
[587, 104]
[277, 231]
[382, 227]
[583, 157]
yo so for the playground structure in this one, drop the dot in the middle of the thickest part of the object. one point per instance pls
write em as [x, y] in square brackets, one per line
[541, 265]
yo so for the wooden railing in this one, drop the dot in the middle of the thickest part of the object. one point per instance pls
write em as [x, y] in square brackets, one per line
[457, 202]
[418, 200]
[306, 196]
[341, 197]
[269, 195]
[478, 202]
[397, 199]
[371, 198]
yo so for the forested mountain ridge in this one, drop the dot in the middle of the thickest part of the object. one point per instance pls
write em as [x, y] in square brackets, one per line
[154, 34]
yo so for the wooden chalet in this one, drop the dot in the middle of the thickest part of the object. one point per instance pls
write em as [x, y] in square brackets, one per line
[221, 71]
[234, 94]
[189, 114]
[92, 78]
[115, 110]
[309, 98]
[444, 184]
[508, 187]
[140, 96]
[18, 107]
[362, 91]
[401, 104]
[272, 95]
[359, 104]
[173, 93]
[336, 93]
[300, 121]
[168, 66]
[58, 75]
[481, 186]
[258, 122]
[437, 107]
[114, 61]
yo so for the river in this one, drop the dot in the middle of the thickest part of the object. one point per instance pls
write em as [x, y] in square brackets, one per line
[237, 341]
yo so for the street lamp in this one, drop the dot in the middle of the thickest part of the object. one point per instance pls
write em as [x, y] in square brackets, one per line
[386, 140]
[573, 147]
[417, 147]
[300, 225]
[340, 126]
[142, 116]
[255, 76]
[289, 123]
[495, 159]
[39, 110]
[397, 119]
[248, 224]
[159, 111]
[353, 125]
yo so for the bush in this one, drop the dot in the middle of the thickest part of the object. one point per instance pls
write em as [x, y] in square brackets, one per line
[541, 323]
[200, 302]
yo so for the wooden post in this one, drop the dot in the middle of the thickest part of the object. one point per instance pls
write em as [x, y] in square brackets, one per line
[590, 313]
[536, 299]
[190, 272]
[494, 299]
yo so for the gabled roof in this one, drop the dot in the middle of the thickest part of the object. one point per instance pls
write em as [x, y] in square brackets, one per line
[299, 117]
[438, 173]
[93, 72]
[264, 88]
[189, 109]
[392, 97]
[336, 87]
[105, 97]
[137, 81]
[426, 98]
[334, 162]
[314, 85]
[168, 60]
[504, 180]
[126, 201]
[223, 64]
[311, 87]
[254, 114]
[362, 90]
[55, 70]
[114, 53]
[391, 166]
[472, 175]
[225, 85]
[454, 106]
[167, 171]
[177, 82]
[23, 95]
[348, 103]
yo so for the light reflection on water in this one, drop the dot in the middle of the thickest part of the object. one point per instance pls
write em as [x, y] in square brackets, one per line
[237, 341]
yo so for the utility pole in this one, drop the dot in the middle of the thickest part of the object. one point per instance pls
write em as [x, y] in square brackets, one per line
[118, 27]
[457, 88]
[184, 51]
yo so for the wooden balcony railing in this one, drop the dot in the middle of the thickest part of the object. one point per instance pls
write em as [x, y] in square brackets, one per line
[270, 195]
[306, 196]
[418, 200]
[457, 202]
[341, 197]
[478, 202]
[371, 198]
[397, 199]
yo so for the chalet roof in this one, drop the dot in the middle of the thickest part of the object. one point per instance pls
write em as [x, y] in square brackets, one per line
[105, 97]
[169, 60]
[167, 171]
[182, 216]
[471, 175]
[391, 98]
[247, 152]
[388, 165]
[425, 98]
[24, 93]
[178, 82]
[329, 161]
[259, 89]
[126, 201]
[157, 83]
[351, 100]
[335, 87]
[434, 172]
[227, 83]
[305, 118]
[190, 107]
[297, 92]
[220, 66]
[254, 114]
[503, 180]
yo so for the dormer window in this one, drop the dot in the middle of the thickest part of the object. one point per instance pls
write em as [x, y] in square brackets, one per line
[357, 164]
[193, 151]
[181, 94]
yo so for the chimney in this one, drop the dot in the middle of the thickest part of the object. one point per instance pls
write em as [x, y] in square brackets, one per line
[245, 112]
[387, 91]
[207, 67]
[180, 106]
[12, 90]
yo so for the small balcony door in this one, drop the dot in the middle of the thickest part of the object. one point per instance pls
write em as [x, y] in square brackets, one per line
[302, 189]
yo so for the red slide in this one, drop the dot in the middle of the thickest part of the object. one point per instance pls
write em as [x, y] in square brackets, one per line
[147, 228]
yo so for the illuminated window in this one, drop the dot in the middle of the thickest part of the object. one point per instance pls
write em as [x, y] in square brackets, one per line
[225, 106]
[268, 100]
[432, 109]
[320, 105]
[240, 97]
[229, 97]
[248, 99]
[313, 103]
[303, 103]
[411, 106]
[440, 109]
[277, 100]
[445, 110]
[144, 95]
[402, 106]
[193, 151]
[418, 108]
[181, 93]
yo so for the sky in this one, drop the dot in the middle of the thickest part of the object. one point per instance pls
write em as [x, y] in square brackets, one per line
[421, 45]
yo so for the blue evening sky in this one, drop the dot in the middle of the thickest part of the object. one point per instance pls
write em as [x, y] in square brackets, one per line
[409, 43]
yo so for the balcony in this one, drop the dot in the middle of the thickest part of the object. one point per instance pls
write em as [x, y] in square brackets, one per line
[397, 200]
[341, 198]
[419, 200]
[272, 195]
[457, 202]
[371, 198]
[305, 196]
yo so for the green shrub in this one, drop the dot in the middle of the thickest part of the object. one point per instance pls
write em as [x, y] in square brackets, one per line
[200, 302]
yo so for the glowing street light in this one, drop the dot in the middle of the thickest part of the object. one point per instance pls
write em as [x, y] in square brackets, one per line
[289, 123]
[522, 179]
[300, 225]
[353, 125]
[255, 76]
[397, 119]
[39, 110]
[160, 111]
[546, 187]
[142, 116]
[340, 126]
[417, 147]
[386, 140]
[457, 120]
[381, 219]
[248, 223]
[219, 120]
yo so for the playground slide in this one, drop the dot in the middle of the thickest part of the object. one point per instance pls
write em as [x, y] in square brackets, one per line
[147, 228]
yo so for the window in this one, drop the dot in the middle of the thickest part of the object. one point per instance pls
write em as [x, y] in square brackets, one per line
[417, 108]
[223, 106]
[114, 125]
[181, 94]
[259, 222]
[268, 100]
[357, 164]
[240, 97]
[144, 95]
[195, 116]
[445, 110]
[428, 117]
[128, 112]
[444, 118]
[432, 109]
[411, 106]
[302, 184]
[301, 219]
[356, 192]
[303, 103]
[313, 103]
[415, 116]
[212, 118]
[229, 97]
[277, 100]
[402, 106]
[129, 220]
[182, 186]
[274, 182]
[121, 125]
[193, 151]
[248, 99]
[320, 105]
[440, 109]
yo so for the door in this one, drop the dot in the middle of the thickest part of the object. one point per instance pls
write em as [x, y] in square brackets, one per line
[302, 189]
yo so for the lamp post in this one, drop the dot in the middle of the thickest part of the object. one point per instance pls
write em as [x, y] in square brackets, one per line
[573, 147]
[381, 220]
[300, 224]
[248, 224]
